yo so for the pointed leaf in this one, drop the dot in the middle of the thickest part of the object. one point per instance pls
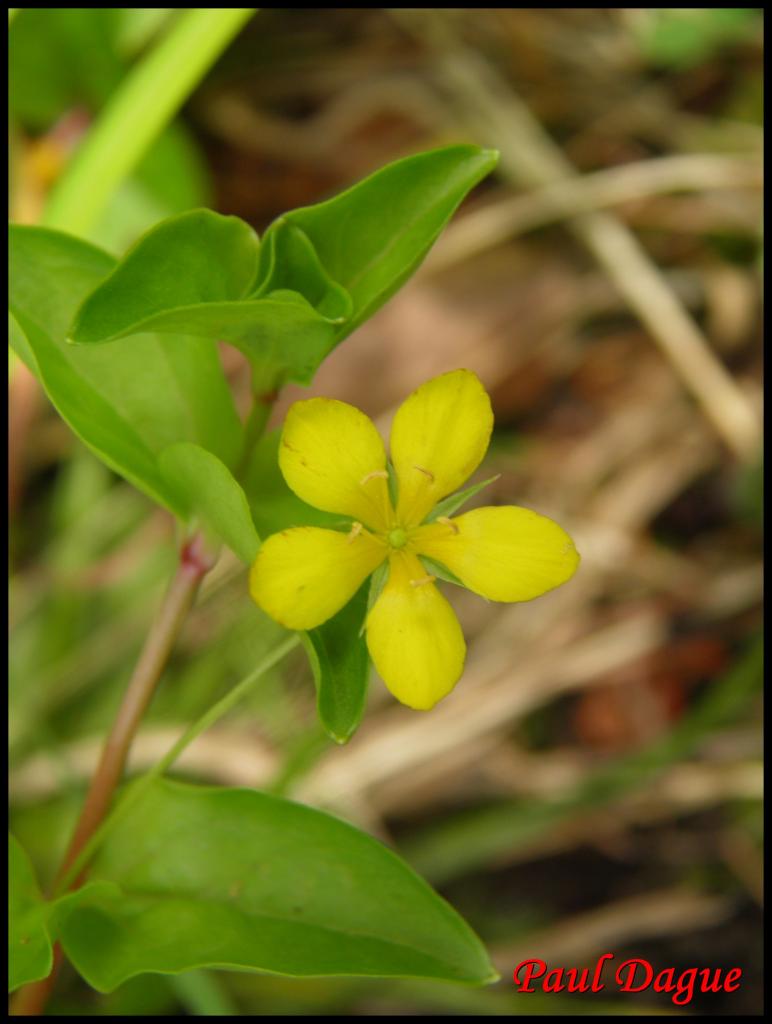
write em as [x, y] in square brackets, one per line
[341, 666]
[235, 879]
[319, 273]
[95, 420]
[193, 274]
[30, 956]
[194, 258]
[32, 920]
[212, 494]
[373, 236]
[288, 261]
[127, 402]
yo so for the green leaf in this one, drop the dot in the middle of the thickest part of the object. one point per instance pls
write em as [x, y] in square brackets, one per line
[319, 273]
[453, 502]
[372, 237]
[29, 946]
[32, 921]
[194, 273]
[126, 402]
[212, 494]
[94, 419]
[288, 261]
[236, 879]
[341, 666]
[194, 258]
[50, 273]
[19, 346]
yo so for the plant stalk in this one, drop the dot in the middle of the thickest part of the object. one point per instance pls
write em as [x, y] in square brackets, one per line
[150, 95]
[254, 428]
[31, 999]
[195, 562]
[206, 721]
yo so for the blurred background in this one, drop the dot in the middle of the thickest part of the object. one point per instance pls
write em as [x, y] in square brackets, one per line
[594, 782]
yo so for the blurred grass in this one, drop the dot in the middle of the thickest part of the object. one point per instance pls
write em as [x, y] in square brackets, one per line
[478, 838]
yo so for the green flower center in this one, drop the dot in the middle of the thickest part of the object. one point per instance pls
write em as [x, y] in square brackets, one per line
[397, 537]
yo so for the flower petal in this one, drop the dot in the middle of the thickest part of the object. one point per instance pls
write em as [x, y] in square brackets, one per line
[332, 457]
[303, 576]
[504, 553]
[439, 437]
[414, 637]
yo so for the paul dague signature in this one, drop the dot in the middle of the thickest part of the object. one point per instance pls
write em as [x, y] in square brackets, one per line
[635, 975]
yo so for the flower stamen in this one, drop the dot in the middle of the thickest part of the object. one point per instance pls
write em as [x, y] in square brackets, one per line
[422, 581]
[426, 472]
[356, 529]
[371, 476]
[397, 537]
[448, 522]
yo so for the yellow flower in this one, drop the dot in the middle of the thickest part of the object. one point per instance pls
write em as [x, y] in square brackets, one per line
[333, 458]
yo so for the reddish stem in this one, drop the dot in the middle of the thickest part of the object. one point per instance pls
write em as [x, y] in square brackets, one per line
[194, 564]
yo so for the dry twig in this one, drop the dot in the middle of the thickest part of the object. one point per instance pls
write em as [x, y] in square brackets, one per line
[490, 109]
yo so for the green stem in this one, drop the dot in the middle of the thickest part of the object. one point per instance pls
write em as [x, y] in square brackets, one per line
[212, 715]
[254, 428]
[150, 95]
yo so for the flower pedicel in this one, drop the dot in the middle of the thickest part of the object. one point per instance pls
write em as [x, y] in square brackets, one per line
[333, 458]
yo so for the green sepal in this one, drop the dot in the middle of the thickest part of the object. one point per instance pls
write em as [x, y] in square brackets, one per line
[453, 502]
